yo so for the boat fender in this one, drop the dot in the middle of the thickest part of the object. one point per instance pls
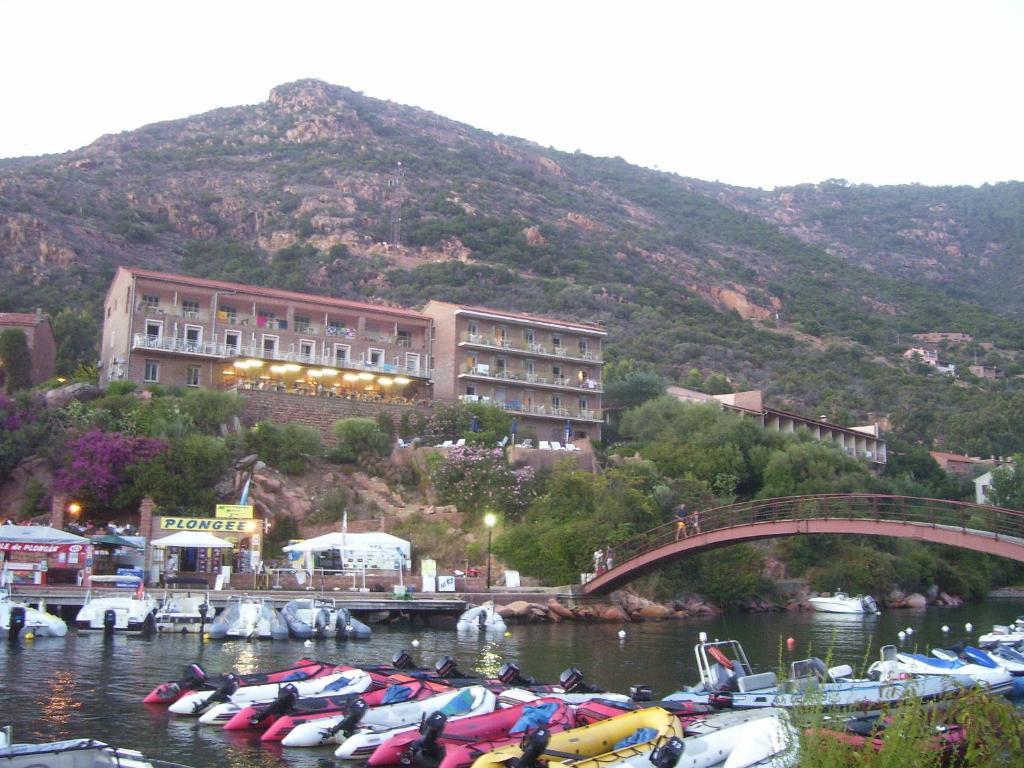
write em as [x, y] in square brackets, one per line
[533, 745]
[667, 755]
[353, 714]
[109, 620]
[16, 622]
[425, 751]
[716, 653]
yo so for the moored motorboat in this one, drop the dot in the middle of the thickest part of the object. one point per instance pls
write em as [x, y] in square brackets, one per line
[195, 678]
[1012, 634]
[18, 619]
[188, 611]
[727, 680]
[840, 602]
[482, 617]
[1000, 656]
[617, 740]
[467, 702]
[71, 753]
[249, 618]
[996, 679]
[197, 703]
[111, 609]
[438, 743]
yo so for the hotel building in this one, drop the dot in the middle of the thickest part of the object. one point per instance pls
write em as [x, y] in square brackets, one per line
[546, 372]
[175, 330]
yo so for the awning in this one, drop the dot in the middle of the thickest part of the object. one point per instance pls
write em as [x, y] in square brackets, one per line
[38, 539]
[113, 540]
[199, 539]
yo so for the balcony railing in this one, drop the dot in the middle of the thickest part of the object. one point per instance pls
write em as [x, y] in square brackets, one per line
[532, 379]
[533, 348]
[226, 351]
[532, 409]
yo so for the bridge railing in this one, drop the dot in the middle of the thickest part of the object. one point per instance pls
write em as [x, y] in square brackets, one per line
[979, 518]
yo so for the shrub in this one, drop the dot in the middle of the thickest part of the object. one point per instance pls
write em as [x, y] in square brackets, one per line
[476, 479]
[184, 477]
[209, 408]
[358, 437]
[121, 388]
[15, 359]
[289, 447]
[98, 464]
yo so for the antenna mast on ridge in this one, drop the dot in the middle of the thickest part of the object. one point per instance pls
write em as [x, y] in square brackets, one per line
[396, 194]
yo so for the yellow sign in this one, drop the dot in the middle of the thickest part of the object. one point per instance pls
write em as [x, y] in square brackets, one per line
[212, 524]
[235, 511]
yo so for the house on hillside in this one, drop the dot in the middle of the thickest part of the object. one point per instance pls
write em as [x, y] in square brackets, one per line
[41, 344]
[966, 466]
[928, 357]
[865, 442]
[986, 372]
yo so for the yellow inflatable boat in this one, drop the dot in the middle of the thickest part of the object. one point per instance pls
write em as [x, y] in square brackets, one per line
[615, 740]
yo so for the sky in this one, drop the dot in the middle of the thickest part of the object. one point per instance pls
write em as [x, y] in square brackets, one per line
[758, 94]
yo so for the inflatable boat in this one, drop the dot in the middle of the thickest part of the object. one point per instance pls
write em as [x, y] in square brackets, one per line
[249, 618]
[18, 619]
[483, 617]
[320, 617]
[198, 702]
[71, 753]
[195, 678]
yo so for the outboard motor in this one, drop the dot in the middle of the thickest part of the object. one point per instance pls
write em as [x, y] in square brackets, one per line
[445, 667]
[109, 621]
[667, 755]
[509, 674]
[572, 681]
[204, 609]
[149, 625]
[402, 660]
[353, 714]
[194, 677]
[221, 694]
[284, 702]
[533, 745]
[17, 623]
[425, 751]
[640, 693]
[323, 620]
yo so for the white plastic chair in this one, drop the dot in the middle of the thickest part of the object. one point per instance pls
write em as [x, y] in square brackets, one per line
[544, 445]
[460, 442]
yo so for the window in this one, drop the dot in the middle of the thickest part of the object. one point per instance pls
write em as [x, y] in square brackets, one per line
[584, 348]
[342, 352]
[500, 366]
[473, 328]
[404, 338]
[583, 404]
[265, 319]
[150, 301]
[556, 374]
[339, 328]
[154, 330]
[190, 309]
[192, 376]
[228, 314]
[530, 367]
[528, 335]
[501, 336]
[269, 346]
[500, 394]
[528, 397]
[556, 401]
[232, 341]
[471, 390]
[193, 337]
[301, 324]
[376, 356]
[556, 342]
[306, 350]
[152, 371]
[412, 362]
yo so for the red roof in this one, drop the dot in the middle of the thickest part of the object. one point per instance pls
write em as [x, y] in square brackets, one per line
[18, 318]
[592, 327]
[274, 293]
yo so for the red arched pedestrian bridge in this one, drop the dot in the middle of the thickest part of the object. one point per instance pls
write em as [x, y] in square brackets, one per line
[993, 530]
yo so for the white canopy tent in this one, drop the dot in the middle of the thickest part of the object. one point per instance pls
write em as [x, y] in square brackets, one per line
[356, 542]
[38, 534]
[200, 539]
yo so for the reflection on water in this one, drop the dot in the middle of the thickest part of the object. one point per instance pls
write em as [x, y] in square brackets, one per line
[84, 685]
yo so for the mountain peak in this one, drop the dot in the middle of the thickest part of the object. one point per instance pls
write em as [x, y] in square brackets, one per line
[307, 94]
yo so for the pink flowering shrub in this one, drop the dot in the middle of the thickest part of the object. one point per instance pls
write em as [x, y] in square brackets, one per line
[98, 465]
[479, 479]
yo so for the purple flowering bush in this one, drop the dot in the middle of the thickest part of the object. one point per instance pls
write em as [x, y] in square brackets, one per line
[477, 479]
[98, 465]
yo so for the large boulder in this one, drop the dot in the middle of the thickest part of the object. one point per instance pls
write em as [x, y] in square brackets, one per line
[654, 612]
[916, 601]
[517, 609]
[614, 613]
[61, 396]
[560, 610]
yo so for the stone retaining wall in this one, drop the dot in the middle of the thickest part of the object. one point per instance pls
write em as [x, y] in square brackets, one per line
[318, 412]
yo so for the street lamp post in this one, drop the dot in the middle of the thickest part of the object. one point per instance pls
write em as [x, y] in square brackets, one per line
[489, 521]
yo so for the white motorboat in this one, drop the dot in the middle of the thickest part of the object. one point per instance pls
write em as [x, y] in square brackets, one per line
[1002, 634]
[249, 618]
[483, 617]
[18, 619]
[728, 680]
[71, 753]
[995, 678]
[336, 729]
[188, 612]
[840, 602]
[109, 608]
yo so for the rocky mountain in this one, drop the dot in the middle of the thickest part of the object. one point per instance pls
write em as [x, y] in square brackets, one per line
[803, 291]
